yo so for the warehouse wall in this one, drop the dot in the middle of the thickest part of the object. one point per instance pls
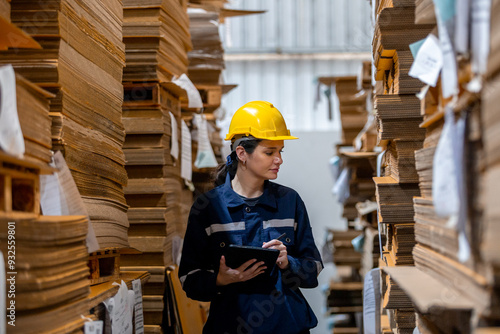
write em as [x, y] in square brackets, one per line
[306, 170]
[305, 26]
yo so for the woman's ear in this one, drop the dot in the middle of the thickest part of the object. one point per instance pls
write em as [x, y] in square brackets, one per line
[241, 153]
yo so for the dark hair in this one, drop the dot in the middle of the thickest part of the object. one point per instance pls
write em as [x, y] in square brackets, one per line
[222, 169]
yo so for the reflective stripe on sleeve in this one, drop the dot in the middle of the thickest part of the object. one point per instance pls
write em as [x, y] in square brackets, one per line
[288, 222]
[237, 226]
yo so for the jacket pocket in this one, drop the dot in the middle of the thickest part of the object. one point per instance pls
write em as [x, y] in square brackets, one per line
[277, 227]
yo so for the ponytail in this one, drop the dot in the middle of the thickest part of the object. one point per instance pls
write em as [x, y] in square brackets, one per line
[231, 164]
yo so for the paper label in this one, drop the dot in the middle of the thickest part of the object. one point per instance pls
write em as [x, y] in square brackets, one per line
[59, 196]
[138, 310]
[205, 157]
[120, 311]
[93, 327]
[11, 136]
[449, 77]
[444, 178]
[174, 143]
[428, 62]
[194, 98]
[186, 154]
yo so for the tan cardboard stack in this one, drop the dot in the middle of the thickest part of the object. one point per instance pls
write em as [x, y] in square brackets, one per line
[81, 63]
[206, 60]
[157, 39]
[156, 36]
[398, 119]
[470, 280]
[45, 256]
[352, 106]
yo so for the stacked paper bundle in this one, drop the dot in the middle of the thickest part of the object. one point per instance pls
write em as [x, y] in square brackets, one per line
[346, 299]
[352, 106]
[81, 63]
[33, 112]
[400, 159]
[343, 250]
[49, 275]
[152, 122]
[394, 72]
[206, 60]
[157, 38]
[399, 117]
[395, 200]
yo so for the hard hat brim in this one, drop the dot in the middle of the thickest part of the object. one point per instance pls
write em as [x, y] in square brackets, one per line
[230, 137]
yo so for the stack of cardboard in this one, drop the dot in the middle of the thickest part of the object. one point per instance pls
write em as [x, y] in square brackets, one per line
[81, 63]
[33, 112]
[154, 188]
[206, 60]
[49, 277]
[401, 160]
[395, 200]
[5, 9]
[156, 35]
[424, 12]
[352, 106]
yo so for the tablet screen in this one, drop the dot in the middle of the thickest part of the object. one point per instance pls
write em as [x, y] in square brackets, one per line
[237, 255]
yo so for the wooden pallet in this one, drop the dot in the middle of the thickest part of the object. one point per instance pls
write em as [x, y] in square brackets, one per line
[104, 265]
[20, 187]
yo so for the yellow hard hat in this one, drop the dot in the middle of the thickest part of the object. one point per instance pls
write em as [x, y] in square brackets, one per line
[259, 119]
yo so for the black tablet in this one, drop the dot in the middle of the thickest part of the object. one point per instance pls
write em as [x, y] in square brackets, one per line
[237, 255]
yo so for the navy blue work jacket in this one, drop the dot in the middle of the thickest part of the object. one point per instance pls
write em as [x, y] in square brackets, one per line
[266, 304]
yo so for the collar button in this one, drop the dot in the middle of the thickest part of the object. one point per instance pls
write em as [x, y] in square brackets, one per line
[247, 209]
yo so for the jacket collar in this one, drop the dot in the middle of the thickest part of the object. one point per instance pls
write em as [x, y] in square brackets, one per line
[232, 199]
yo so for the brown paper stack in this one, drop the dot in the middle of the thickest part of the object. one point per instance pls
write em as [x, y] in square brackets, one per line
[344, 253]
[206, 60]
[401, 160]
[157, 38]
[50, 273]
[154, 188]
[395, 200]
[33, 112]
[81, 63]
[5, 9]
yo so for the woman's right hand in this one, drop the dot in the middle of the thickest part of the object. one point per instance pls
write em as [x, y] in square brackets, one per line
[245, 272]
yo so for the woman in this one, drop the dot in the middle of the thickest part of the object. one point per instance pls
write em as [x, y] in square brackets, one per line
[247, 209]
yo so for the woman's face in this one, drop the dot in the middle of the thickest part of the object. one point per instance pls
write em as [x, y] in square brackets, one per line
[265, 161]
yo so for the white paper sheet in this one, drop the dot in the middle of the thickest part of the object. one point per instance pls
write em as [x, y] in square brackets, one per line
[93, 327]
[59, 196]
[428, 62]
[138, 310]
[480, 35]
[205, 157]
[462, 26]
[11, 136]
[194, 98]
[186, 154]
[120, 311]
[445, 194]
[174, 143]
[449, 79]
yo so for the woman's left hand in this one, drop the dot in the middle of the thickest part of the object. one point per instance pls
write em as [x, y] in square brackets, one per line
[282, 260]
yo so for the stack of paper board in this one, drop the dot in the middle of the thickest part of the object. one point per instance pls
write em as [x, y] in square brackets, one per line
[399, 117]
[425, 12]
[402, 243]
[345, 294]
[466, 282]
[352, 106]
[395, 74]
[494, 55]
[50, 272]
[395, 31]
[154, 186]
[400, 157]
[394, 297]
[405, 320]
[206, 60]
[432, 230]
[157, 38]
[81, 63]
[33, 112]
[395, 200]
[344, 253]
[365, 76]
